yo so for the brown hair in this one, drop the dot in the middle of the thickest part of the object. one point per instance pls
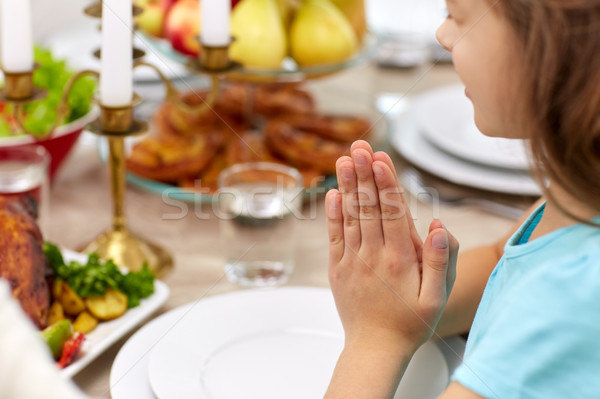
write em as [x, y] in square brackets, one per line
[560, 42]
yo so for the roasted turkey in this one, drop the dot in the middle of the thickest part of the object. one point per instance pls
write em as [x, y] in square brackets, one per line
[22, 261]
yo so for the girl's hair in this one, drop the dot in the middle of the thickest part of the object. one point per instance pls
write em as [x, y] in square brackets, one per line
[560, 50]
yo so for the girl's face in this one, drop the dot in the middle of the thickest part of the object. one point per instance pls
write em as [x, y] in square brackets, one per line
[484, 54]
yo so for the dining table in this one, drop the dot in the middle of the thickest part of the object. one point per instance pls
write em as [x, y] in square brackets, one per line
[80, 206]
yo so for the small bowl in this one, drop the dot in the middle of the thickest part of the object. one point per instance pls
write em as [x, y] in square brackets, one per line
[59, 144]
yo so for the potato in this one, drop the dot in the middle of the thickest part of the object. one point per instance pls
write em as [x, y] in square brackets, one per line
[109, 306]
[57, 288]
[55, 313]
[85, 323]
[71, 302]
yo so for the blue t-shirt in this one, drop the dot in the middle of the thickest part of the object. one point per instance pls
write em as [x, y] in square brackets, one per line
[536, 333]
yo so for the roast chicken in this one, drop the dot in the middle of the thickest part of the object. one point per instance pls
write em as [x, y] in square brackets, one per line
[22, 261]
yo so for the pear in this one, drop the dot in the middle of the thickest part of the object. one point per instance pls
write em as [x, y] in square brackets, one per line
[320, 34]
[354, 10]
[260, 38]
[287, 9]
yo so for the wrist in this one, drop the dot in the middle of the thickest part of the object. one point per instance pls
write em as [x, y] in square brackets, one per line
[381, 342]
[361, 363]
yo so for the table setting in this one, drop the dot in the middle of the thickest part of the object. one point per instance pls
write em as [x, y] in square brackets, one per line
[238, 305]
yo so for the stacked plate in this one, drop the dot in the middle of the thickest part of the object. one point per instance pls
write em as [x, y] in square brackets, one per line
[436, 133]
[274, 343]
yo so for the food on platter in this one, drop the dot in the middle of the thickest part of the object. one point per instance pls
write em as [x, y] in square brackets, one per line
[168, 157]
[52, 75]
[64, 300]
[304, 148]
[290, 131]
[266, 32]
[335, 127]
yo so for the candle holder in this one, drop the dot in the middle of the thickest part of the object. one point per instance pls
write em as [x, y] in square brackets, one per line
[19, 91]
[118, 242]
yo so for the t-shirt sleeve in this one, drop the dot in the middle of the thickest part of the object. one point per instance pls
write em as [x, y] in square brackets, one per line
[542, 339]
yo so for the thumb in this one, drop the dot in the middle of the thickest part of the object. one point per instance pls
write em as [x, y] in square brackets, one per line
[436, 254]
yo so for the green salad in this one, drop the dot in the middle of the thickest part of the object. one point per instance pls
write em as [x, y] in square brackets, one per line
[53, 76]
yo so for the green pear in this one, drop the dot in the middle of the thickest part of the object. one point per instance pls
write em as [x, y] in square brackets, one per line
[320, 34]
[260, 38]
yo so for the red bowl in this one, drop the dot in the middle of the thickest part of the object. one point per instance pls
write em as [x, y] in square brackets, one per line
[59, 144]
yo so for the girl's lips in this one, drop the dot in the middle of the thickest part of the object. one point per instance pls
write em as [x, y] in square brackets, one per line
[467, 93]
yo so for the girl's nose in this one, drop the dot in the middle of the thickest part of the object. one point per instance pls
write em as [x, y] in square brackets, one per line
[443, 38]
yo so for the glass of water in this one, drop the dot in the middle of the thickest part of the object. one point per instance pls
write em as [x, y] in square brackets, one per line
[258, 205]
[24, 176]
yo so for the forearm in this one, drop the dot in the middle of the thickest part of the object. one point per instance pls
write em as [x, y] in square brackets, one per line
[367, 373]
[472, 272]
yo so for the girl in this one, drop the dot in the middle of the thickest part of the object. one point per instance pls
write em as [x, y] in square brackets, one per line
[532, 70]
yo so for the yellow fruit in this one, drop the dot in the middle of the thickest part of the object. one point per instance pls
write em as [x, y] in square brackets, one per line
[260, 38]
[320, 34]
[354, 10]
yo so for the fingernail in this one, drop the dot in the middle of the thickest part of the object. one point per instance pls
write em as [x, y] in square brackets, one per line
[360, 159]
[347, 173]
[377, 170]
[440, 240]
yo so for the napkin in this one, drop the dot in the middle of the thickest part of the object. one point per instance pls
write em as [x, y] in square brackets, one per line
[27, 370]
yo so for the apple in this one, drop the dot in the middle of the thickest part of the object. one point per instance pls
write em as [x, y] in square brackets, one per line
[234, 3]
[151, 20]
[182, 27]
[167, 5]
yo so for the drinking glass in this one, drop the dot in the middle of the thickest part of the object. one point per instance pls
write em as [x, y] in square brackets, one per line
[24, 174]
[259, 204]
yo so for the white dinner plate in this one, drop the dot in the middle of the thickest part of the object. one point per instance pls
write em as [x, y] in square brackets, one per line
[445, 117]
[409, 142]
[77, 44]
[109, 332]
[129, 371]
[271, 343]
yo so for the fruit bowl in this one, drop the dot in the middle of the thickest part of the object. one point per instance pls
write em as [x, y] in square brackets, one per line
[289, 72]
[59, 144]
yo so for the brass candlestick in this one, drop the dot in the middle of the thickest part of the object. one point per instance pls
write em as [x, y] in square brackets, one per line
[118, 243]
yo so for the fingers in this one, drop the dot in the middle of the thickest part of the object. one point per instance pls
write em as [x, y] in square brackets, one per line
[350, 210]
[335, 227]
[370, 217]
[451, 273]
[416, 239]
[395, 226]
[436, 259]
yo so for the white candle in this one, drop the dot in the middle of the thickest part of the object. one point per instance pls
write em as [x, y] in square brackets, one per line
[16, 35]
[116, 83]
[214, 22]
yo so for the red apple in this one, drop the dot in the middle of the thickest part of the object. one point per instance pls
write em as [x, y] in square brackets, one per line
[234, 3]
[182, 27]
[167, 5]
[151, 20]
